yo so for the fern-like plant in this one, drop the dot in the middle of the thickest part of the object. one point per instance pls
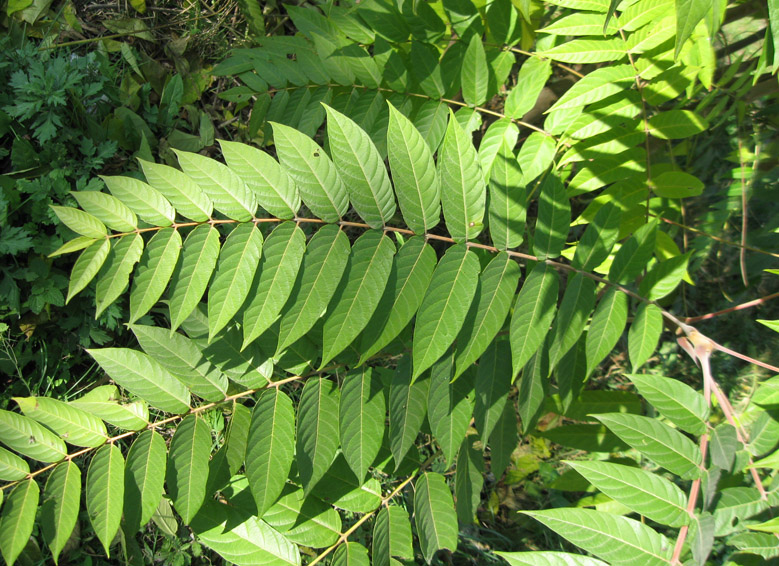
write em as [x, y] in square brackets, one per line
[320, 307]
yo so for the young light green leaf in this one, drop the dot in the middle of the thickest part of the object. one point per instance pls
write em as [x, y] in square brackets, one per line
[80, 222]
[358, 294]
[235, 271]
[193, 272]
[314, 173]
[184, 359]
[578, 301]
[587, 51]
[408, 281]
[391, 537]
[448, 407]
[597, 85]
[74, 426]
[143, 376]
[468, 481]
[25, 436]
[463, 193]
[508, 200]
[676, 124]
[223, 187]
[61, 502]
[273, 188]
[548, 558]
[155, 270]
[18, 519]
[530, 81]
[493, 383]
[474, 73]
[103, 402]
[107, 209]
[361, 169]
[407, 409]
[667, 447]
[445, 306]
[599, 238]
[74, 245]
[534, 311]
[351, 554]
[676, 401]
[187, 471]
[143, 479]
[434, 514]
[608, 322]
[634, 254]
[688, 14]
[494, 293]
[317, 430]
[105, 493]
[535, 156]
[270, 447]
[323, 265]
[182, 192]
[554, 218]
[648, 494]
[144, 200]
[279, 265]
[618, 540]
[582, 23]
[414, 173]
[12, 467]
[115, 275]
[361, 419]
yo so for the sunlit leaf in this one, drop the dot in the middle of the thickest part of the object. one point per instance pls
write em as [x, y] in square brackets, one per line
[105, 493]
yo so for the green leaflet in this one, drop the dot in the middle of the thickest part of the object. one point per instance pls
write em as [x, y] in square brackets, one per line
[358, 293]
[677, 184]
[667, 447]
[648, 494]
[238, 437]
[12, 467]
[317, 430]
[235, 270]
[468, 481]
[102, 402]
[587, 51]
[144, 200]
[676, 124]
[664, 277]
[391, 537]
[676, 401]
[154, 271]
[361, 416]
[503, 440]
[18, 519]
[448, 407]
[80, 222]
[222, 186]
[530, 81]
[608, 322]
[533, 388]
[341, 488]
[361, 168]
[616, 539]
[279, 265]
[250, 368]
[597, 85]
[581, 23]
[192, 273]
[492, 387]
[578, 301]
[412, 269]
[426, 69]
[105, 493]
[107, 209]
[61, 502]
[274, 190]
[635, 253]
[434, 513]
[187, 471]
[554, 218]
[463, 193]
[74, 245]
[323, 265]
[508, 200]
[494, 293]
[688, 14]
[535, 156]
[548, 558]
[144, 376]
[145, 470]
[413, 173]
[445, 306]
[502, 132]
[182, 357]
[474, 73]
[75, 426]
[407, 409]
[87, 266]
[599, 238]
[351, 554]
[183, 193]
[313, 172]
[269, 447]
[115, 275]
[533, 314]
[430, 119]
[25, 436]
[306, 521]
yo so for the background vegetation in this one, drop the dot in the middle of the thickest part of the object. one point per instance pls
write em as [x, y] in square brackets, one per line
[623, 154]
